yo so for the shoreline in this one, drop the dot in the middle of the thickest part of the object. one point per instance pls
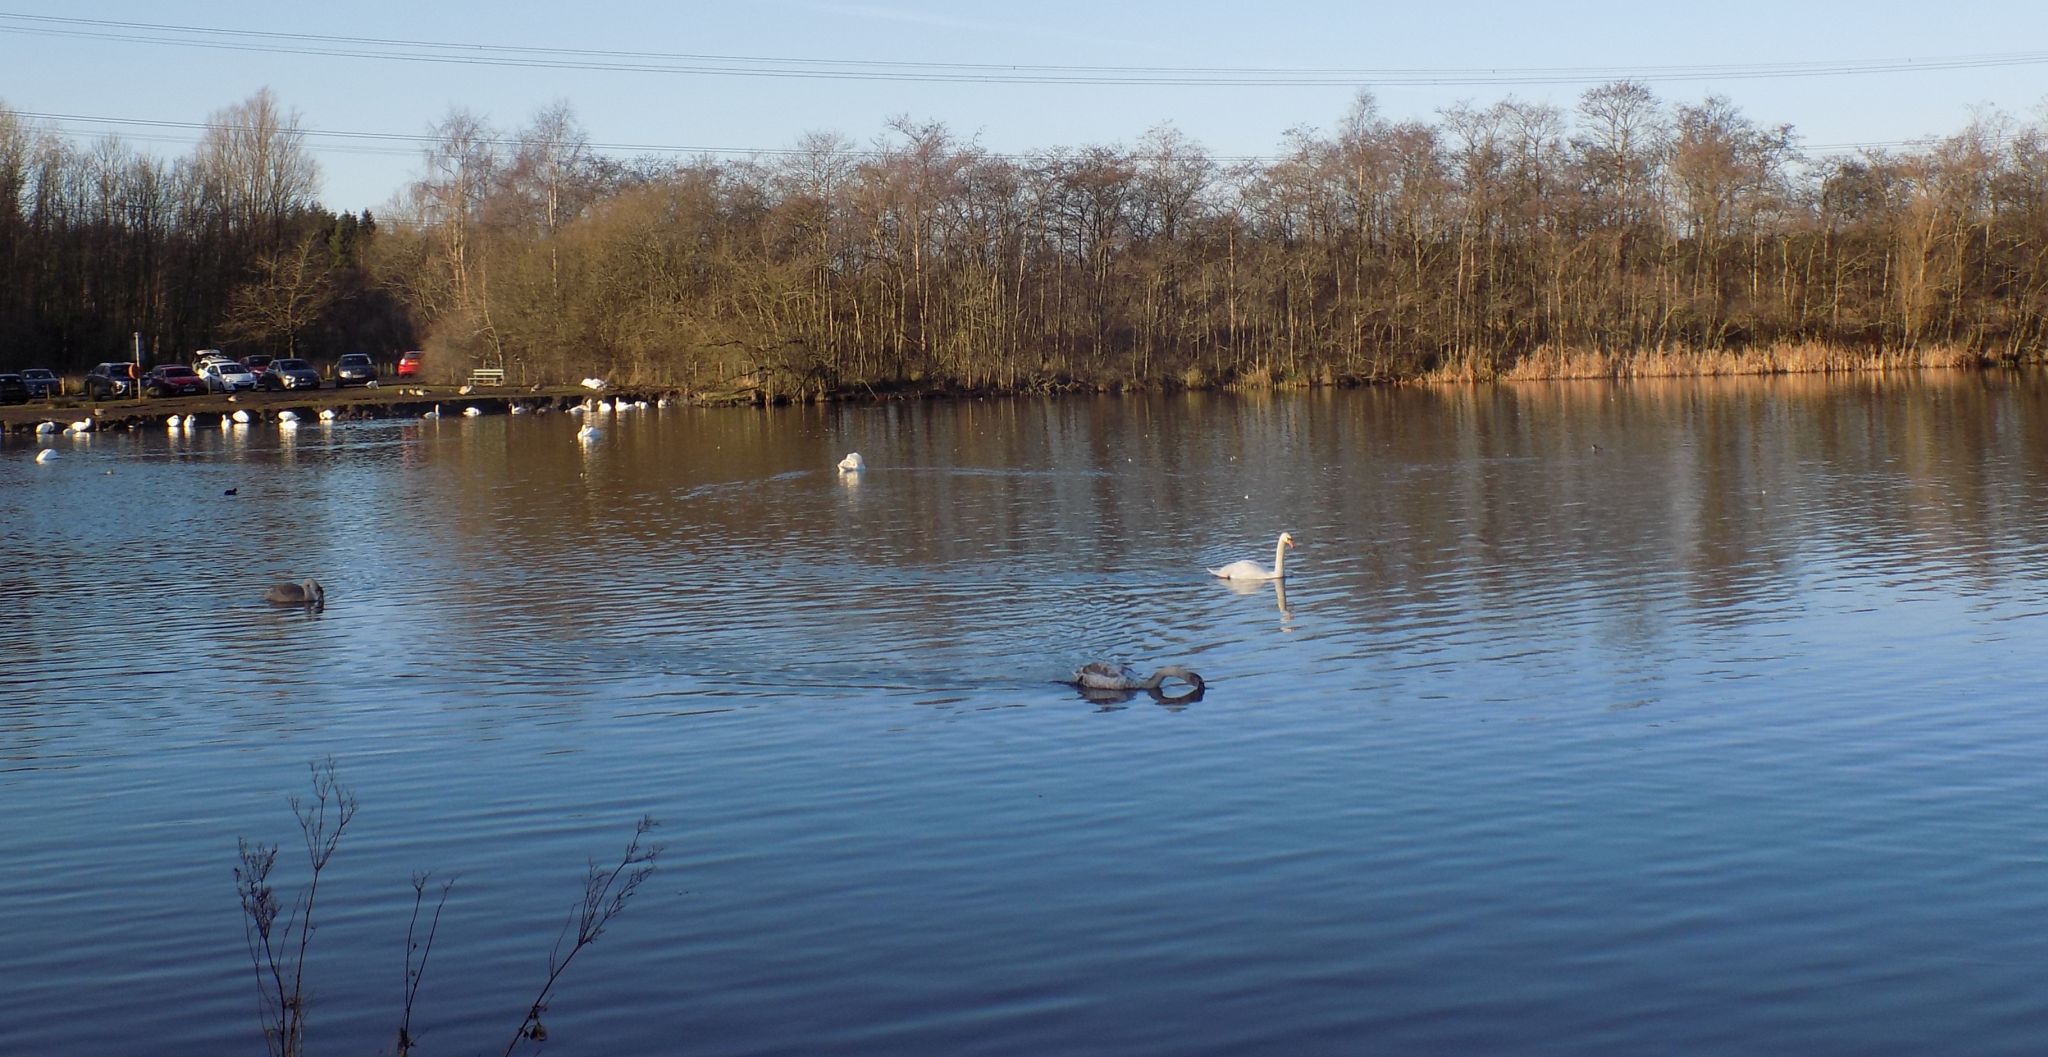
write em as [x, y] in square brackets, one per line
[348, 404]
[412, 401]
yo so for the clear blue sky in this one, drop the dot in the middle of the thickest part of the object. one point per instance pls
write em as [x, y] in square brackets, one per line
[90, 74]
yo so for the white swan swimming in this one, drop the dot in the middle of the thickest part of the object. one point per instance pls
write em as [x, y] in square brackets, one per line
[46, 455]
[435, 413]
[472, 411]
[1101, 679]
[83, 425]
[288, 416]
[327, 414]
[516, 409]
[587, 433]
[853, 463]
[1251, 570]
[46, 427]
[241, 418]
[173, 422]
[224, 423]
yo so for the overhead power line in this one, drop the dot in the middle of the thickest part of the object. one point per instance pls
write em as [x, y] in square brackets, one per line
[695, 64]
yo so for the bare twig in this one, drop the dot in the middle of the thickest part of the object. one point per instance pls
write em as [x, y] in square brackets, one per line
[424, 946]
[278, 952]
[605, 893]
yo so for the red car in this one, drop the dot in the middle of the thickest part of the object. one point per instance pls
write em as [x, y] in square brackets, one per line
[409, 364]
[173, 379]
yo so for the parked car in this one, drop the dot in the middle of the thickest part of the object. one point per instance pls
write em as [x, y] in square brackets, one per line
[226, 376]
[173, 379]
[290, 373]
[42, 383]
[12, 389]
[115, 378]
[355, 368]
[409, 364]
[256, 364]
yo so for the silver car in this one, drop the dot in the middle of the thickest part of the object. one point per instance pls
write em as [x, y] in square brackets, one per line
[226, 376]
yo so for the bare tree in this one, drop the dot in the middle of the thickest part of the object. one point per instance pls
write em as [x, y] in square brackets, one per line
[290, 291]
[253, 158]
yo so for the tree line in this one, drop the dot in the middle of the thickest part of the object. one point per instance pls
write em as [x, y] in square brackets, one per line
[1624, 235]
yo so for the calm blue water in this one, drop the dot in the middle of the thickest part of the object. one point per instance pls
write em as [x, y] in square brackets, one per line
[1693, 717]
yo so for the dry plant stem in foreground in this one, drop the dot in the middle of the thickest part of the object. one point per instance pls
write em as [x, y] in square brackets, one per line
[605, 892]
[423, 946]
[278, 939]
[277, 950]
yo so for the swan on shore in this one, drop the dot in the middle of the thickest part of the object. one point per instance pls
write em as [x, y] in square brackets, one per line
[1251, 570]
[304, 593]
[853, 463]
[1101, 678]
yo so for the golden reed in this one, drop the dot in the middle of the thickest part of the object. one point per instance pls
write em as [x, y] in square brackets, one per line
[1548, 363]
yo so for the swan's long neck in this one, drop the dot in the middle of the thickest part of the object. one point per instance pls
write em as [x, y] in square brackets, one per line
[1279, 559]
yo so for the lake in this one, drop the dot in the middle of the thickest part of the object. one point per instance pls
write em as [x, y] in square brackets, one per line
[1699, 716]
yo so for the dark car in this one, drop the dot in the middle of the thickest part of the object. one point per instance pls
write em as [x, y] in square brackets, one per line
[173, 379]
[356, 368]
[116, 378]
[42, 383]
[12, 389]
[289, 373]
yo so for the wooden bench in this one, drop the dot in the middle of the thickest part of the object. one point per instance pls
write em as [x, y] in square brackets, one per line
[487, 376]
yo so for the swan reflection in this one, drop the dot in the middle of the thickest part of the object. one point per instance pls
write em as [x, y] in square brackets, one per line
[1254, 587]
